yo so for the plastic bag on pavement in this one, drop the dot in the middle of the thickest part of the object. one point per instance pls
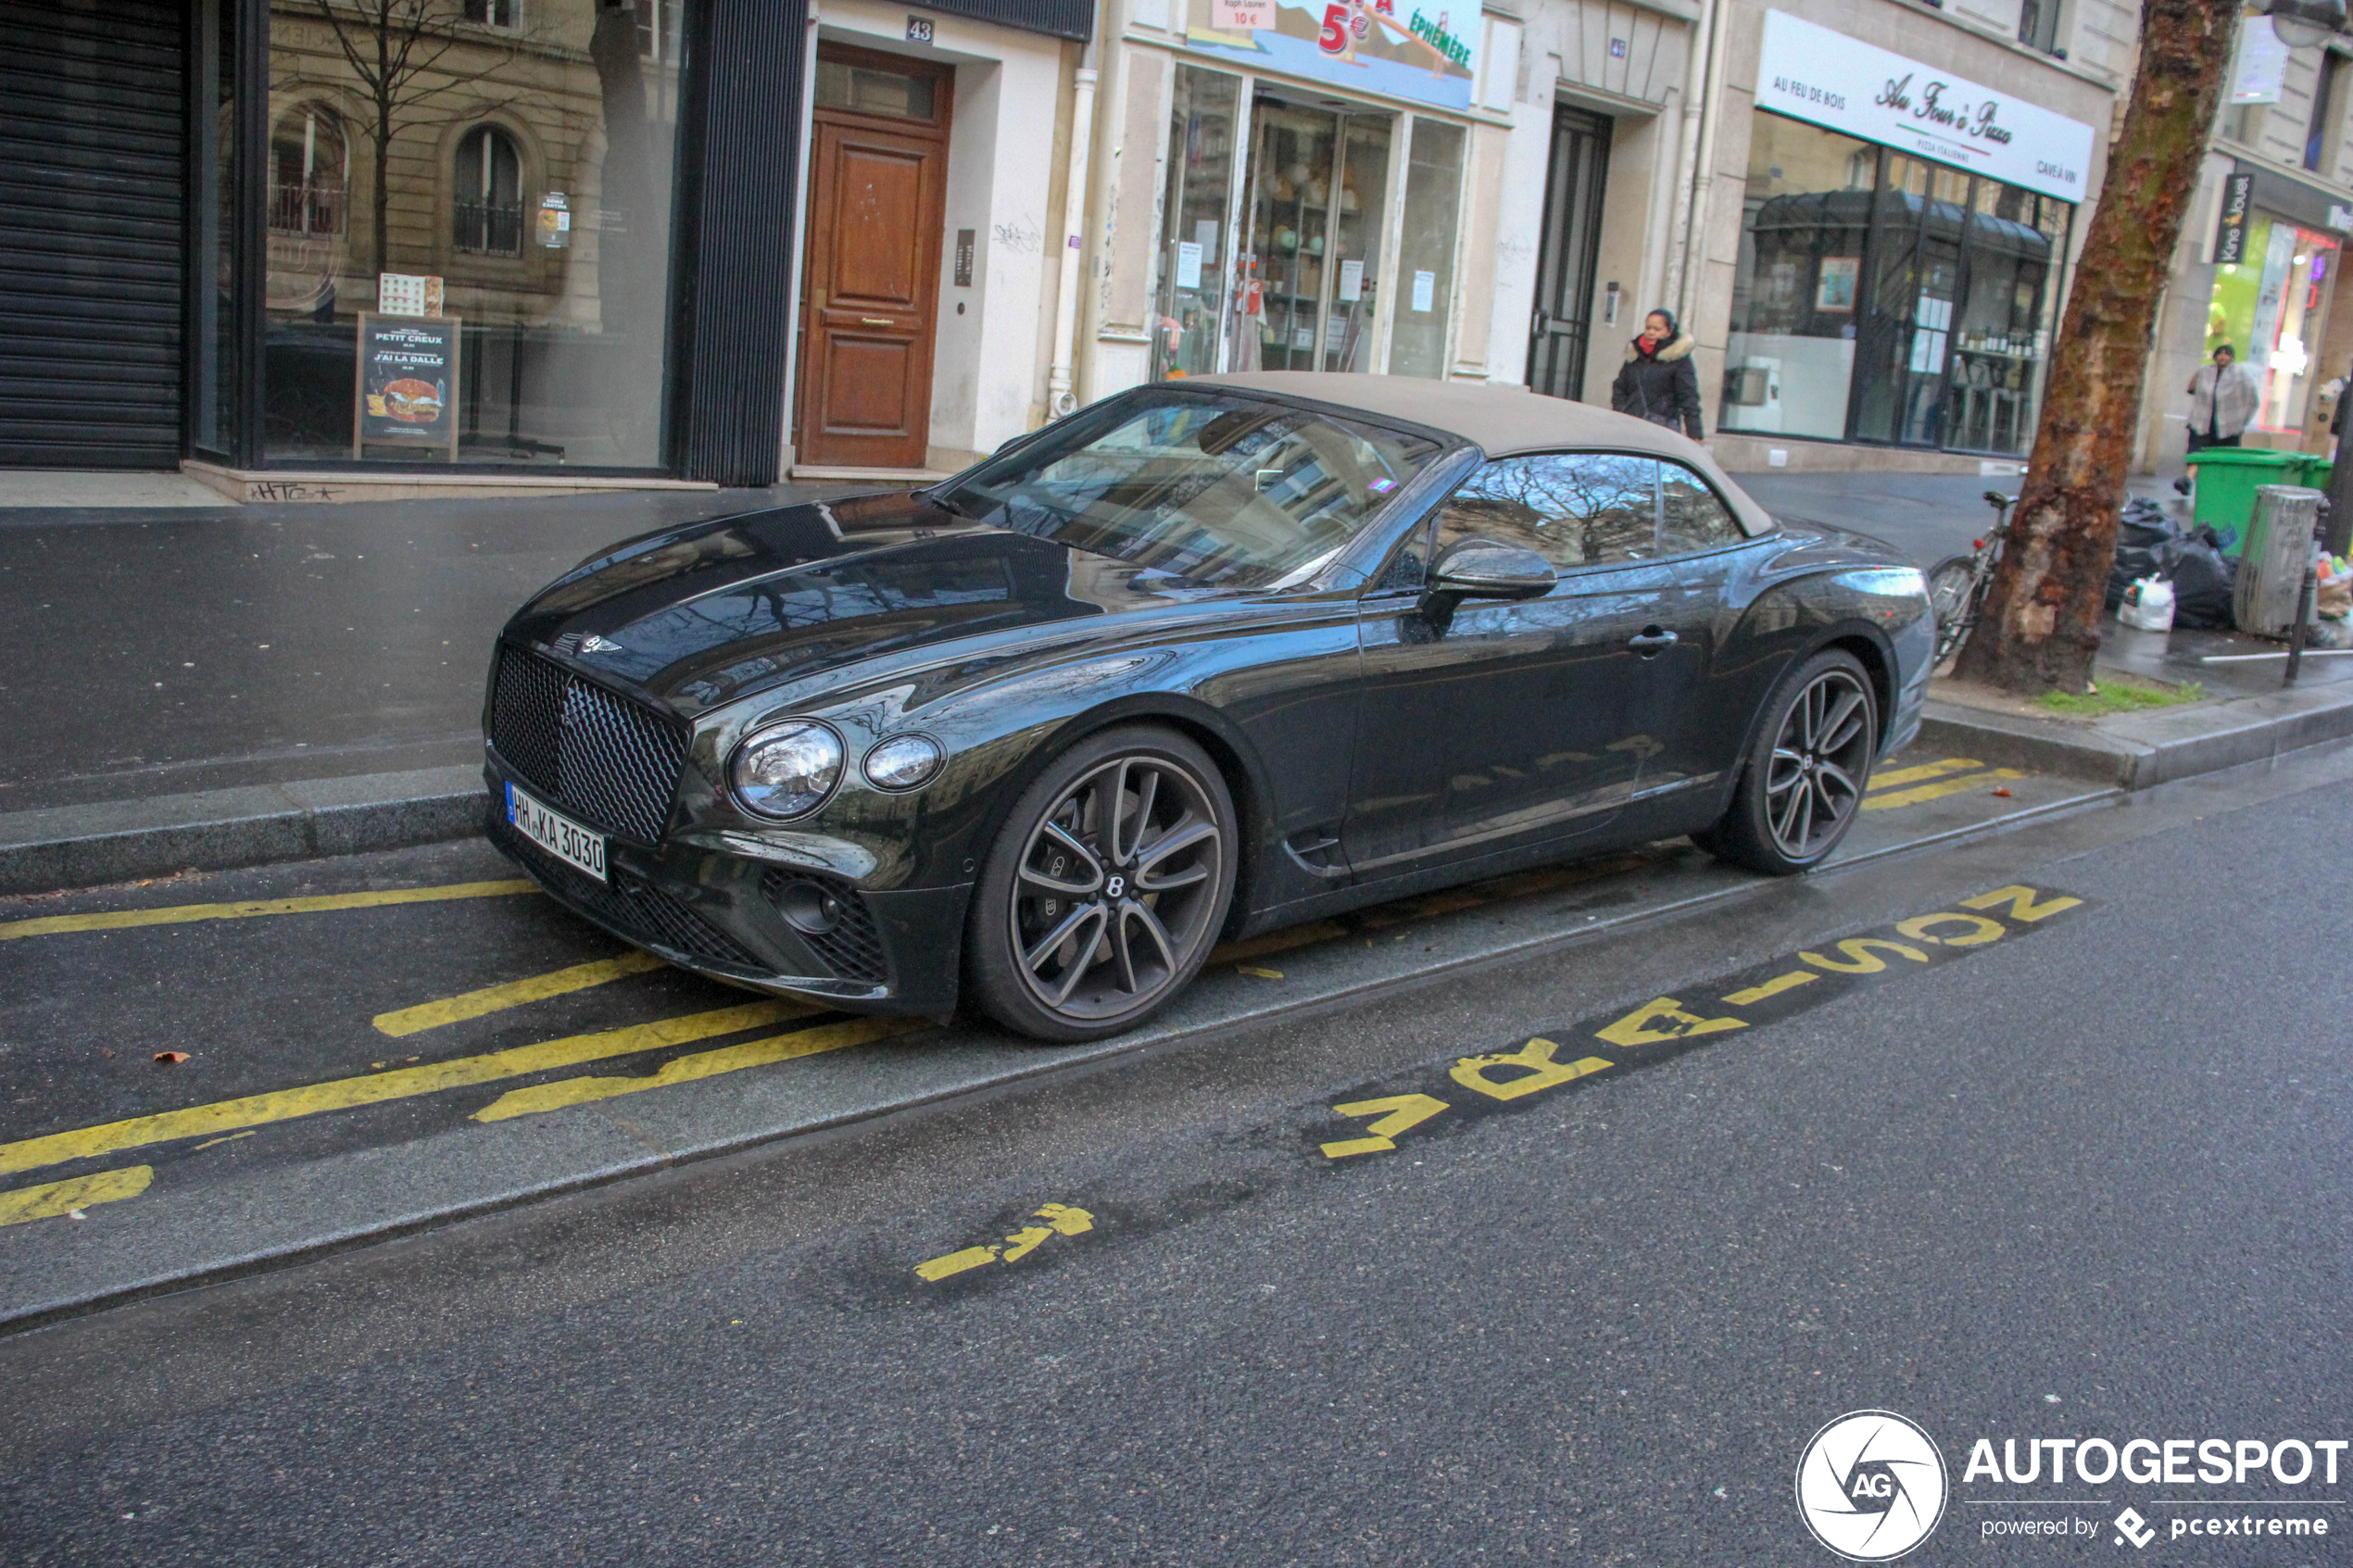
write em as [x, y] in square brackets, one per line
[2140, 534]
[2149, 605]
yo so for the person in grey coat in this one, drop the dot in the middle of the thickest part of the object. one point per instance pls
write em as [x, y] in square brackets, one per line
[2224, 399]
[1658, 382]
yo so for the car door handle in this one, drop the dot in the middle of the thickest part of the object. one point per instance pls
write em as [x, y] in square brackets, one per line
[1649, 640]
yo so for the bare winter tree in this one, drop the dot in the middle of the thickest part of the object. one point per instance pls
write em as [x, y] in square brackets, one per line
[396, 48]
[2041, 624]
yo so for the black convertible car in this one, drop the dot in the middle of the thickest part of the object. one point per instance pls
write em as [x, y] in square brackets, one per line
[1205, 658]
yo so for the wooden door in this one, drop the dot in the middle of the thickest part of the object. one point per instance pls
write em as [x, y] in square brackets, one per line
[871, 286]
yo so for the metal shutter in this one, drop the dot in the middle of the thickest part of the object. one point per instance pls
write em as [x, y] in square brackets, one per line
[92, 170]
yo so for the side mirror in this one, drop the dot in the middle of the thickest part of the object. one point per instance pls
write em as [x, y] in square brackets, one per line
[1480, 568]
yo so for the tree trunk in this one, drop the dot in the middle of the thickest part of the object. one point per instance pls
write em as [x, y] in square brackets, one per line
[2040, 623]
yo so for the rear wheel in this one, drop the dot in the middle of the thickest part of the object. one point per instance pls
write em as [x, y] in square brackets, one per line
[1802, 785]
[1948, 596]
[1105, 889]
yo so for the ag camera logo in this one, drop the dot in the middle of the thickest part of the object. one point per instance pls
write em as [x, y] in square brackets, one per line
[1870, 1486]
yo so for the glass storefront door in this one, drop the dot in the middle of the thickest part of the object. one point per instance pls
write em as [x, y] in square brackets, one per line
[1317, 178]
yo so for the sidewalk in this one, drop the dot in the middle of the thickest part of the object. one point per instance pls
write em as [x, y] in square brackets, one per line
[146, 652]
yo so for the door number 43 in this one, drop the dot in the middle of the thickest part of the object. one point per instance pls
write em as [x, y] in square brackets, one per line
[918, 29]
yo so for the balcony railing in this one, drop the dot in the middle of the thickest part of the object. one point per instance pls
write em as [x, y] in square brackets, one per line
[305, 210]
[486, 227]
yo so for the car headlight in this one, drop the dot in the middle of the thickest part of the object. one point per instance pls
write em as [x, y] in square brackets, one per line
[905, 762]
[786, 770]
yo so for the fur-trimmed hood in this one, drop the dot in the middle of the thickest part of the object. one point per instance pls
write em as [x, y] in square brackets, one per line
[1677, 347]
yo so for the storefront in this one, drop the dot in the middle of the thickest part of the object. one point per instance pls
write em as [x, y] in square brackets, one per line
[1317, 190]
[323, 250]
[1902, 244]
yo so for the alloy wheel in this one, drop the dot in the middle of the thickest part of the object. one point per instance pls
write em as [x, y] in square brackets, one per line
[1813, 782]
[1117, 888]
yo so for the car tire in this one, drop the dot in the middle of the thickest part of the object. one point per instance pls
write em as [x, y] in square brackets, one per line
[1105, 889]
[1802, 785]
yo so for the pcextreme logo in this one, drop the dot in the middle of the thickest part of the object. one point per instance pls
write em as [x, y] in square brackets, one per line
[1870, 1486]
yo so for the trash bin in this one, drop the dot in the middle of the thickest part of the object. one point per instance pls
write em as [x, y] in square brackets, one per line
[2227, 479]
[2279, 550]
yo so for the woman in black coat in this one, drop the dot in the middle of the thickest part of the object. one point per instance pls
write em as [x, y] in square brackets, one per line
[1658, 382]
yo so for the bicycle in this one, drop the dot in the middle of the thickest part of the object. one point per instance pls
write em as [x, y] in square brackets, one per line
[1956, 585]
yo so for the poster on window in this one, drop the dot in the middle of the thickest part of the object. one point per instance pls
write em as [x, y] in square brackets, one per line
[404, 388]
[1424, 51]
[1834, 288]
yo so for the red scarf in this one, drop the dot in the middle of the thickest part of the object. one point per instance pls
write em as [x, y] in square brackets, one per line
[1646, 348]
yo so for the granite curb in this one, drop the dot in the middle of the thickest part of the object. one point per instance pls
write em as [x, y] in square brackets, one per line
[63, 847]
[2141, 751]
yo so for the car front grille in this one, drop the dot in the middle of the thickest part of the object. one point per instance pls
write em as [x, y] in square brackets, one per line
[608, 760]
[853, 949]
[634, 907]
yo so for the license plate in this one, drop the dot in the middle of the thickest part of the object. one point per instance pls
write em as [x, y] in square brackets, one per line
[557, 834]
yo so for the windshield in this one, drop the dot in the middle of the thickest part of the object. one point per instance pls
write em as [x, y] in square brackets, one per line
[1210, 487]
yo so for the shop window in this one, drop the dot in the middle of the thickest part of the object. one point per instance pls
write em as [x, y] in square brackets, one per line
[1797, 289]
[486, 216]
[309, 167]
[1574, 508]
[556, 298]
[1911, 304]
[1426, 256]
[2270, 310]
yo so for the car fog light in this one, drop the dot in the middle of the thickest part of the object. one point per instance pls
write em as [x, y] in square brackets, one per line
[788, 770]
[808, 907]
[905, 762]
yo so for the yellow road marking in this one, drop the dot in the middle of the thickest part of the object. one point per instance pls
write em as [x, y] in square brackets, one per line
[119, 920]
[231, 1138]
[514, 993]
[1257, 971]
[402, 1082]
[1772, 987]
[1926, 771]
[53, 1198]
[1060, 1219]
[701, 1064]
[1404, 1111]
[1937, 791]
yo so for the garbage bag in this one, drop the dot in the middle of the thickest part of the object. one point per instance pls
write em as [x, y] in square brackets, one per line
[2141, 533]
[2202, 578]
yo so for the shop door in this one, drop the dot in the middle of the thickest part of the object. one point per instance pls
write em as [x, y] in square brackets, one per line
[1561, 334]
[879, 165]
[1316, 185]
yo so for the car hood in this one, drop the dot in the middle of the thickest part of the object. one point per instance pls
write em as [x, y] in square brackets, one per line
[706, 613]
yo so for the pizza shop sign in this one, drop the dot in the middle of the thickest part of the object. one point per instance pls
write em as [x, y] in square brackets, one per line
[1811, 73]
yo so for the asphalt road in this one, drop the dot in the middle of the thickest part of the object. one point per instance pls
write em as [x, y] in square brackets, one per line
[2081, 1176]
